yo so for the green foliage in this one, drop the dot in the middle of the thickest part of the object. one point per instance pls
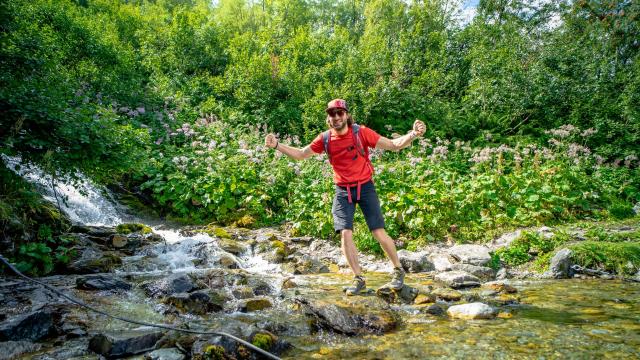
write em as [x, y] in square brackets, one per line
[521, 249]
[617, 257]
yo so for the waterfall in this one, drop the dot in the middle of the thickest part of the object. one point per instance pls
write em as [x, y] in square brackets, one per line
[82, 201]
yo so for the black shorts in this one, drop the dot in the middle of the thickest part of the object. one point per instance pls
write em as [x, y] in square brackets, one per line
[343, 211]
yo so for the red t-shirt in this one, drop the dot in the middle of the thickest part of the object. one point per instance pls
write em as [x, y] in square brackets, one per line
[343, 151]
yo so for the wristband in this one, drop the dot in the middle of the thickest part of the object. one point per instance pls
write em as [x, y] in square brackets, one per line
[412, 134]
[276, 147]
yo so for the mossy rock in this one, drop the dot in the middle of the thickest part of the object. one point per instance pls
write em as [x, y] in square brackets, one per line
[215, 231]
[255, 304]
[132, 228]
[232, 246]
[214, 352]
[264, 340]
[447, 294]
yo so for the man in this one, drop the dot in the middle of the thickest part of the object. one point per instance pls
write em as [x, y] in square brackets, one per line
[349, 157]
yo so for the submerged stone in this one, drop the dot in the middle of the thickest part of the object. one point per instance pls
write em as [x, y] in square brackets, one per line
[165, 354]
[101, 282]
[471, 311]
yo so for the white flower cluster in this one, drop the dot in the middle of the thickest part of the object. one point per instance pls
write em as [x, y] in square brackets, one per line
[439, 153]
[181, 162]
[628, 161]
[563, 131]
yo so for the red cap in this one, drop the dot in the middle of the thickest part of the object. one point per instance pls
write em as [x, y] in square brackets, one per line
[337, 104]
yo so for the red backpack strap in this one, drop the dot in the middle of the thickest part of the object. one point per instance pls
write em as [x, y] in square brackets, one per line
[326, 136]
[357, 141]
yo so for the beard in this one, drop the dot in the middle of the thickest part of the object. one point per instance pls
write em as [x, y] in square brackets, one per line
[339, 127]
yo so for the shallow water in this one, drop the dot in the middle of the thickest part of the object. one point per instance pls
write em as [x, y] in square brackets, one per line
[574, 319]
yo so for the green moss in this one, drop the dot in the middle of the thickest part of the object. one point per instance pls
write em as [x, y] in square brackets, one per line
[214, 352]
[246, 221]
[281, 248]
[619, 257]
[215, 231]
[133, 227]
[263, 340]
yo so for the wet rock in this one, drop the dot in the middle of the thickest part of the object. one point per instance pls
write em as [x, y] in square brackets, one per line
[165, 354]
[97, 231]
[274, 251]
[122, 343]
[101, 282]
[289, 283]
[433, 309]
[93, 261]
[471, 254]
[441, 262]
[255, 304]
[243, 292]
[228, 262]
[267, 341]
[415, 262]
[217, 347]
[260, 286]
[501, 287]
[447, 294]
[307, 265]
[481, 272]
[198, 302]
[232, 246]
[505, 299]
[174, 284]
[560, 267]
[365, 317]
[472, 311]
[422, 299]
[405, 295]
[13, 349]
[457, 279]
[31, 326]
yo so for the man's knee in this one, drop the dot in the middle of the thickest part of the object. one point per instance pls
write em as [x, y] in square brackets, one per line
[346, 234]
[378, 233]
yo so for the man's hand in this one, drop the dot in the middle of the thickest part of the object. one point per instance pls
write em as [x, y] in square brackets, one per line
[270, 141]
[419, 127]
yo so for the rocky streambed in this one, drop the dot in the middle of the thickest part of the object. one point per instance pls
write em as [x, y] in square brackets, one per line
[284, 294]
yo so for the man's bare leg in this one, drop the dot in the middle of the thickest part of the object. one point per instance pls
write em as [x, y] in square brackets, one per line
[388, 245]
[350, 252]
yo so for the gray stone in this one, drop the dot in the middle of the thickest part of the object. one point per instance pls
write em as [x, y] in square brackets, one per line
[471, 254]
[457, 279]
[433, 309]
[101, 282]
[441, 262]
[94, 261]
[415, 262]
[173, 284]
[13, 349]
[165, 354]
[122, 343]
[471, 311]
[196, 302]
[560, 267]
[31, 326]
[482, 272]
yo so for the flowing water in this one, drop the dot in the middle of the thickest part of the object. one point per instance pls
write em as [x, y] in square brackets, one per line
[573, 319]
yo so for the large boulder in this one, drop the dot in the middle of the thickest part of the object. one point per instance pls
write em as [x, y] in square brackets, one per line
[457, 279]
[370, 316]
[123, 343]
[471, 254]
[471, 311]
[31, 326]
[415, 262]
[560, 267]
[481, 272]
[441, 262]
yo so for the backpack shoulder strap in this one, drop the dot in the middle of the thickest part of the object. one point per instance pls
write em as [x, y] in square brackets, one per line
[357, 140]
[326, 136]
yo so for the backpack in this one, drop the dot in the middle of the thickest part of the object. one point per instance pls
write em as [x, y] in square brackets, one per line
[357, 141]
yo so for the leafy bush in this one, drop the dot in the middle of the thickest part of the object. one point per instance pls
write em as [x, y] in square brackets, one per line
[620, 257]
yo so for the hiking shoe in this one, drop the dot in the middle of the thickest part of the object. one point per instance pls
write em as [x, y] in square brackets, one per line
[357, 287]
[397, 279]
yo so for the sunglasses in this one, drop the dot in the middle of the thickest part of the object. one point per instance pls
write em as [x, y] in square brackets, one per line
[338, 112]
